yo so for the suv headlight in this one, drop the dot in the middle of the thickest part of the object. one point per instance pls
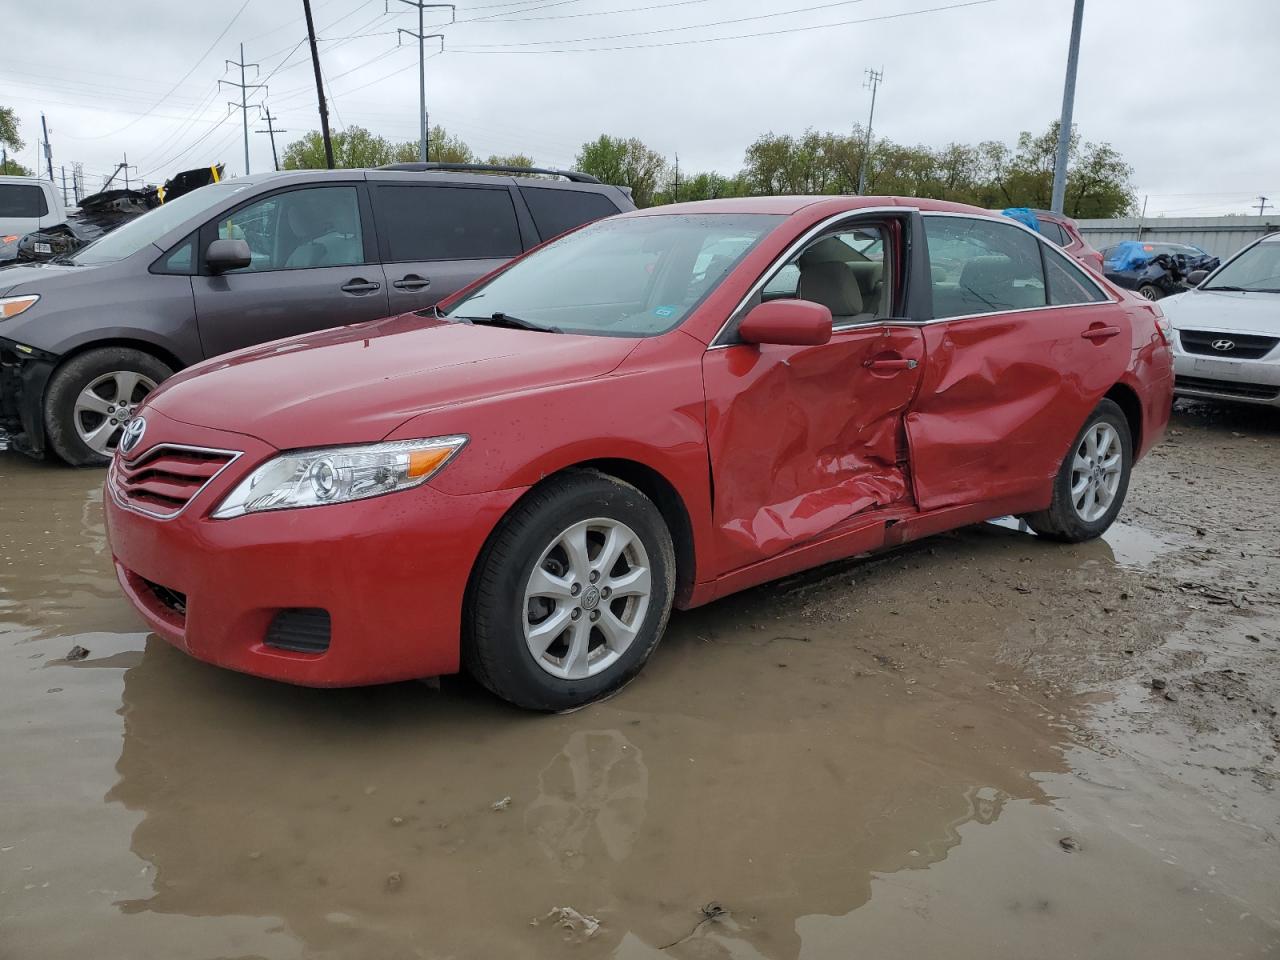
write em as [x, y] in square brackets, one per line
[311, 478]
[10, 307]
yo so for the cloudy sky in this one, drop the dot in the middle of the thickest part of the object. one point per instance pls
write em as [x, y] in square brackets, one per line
[1183, 88]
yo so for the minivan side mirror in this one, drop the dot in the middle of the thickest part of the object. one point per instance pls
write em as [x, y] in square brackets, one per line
[1196, 277]
[796, 323]
[224, 255]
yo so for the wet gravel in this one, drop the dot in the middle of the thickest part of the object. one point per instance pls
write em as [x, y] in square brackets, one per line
[982, 745]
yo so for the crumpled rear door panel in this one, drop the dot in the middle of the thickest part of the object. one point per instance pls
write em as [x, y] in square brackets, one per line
[802, 439]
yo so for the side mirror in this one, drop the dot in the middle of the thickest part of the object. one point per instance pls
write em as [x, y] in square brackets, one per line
[793, 323]
[224, 255]
[1196, 277]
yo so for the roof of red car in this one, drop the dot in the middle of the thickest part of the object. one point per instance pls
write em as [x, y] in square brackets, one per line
[789, 205]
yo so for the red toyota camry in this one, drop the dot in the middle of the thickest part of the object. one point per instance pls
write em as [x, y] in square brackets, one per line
[653, 411]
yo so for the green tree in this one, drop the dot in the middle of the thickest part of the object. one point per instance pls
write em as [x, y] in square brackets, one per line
[442, 148]
[511, 160]
[352, 147]
[625, 163]
[12, 141]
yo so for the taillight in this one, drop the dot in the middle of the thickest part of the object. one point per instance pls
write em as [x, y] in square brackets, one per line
[1165, 327]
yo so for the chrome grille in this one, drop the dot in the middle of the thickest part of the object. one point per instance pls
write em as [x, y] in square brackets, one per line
[161, 481]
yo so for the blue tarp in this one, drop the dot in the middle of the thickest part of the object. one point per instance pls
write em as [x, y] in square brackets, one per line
[1024, 215]
[1128, 255]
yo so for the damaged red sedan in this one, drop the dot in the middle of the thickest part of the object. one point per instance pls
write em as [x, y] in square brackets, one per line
[650, 412]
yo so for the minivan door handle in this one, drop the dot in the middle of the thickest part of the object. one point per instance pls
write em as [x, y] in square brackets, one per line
[411, 281]
[361, 285]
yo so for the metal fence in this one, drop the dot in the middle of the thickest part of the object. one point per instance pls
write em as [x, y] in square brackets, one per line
[1221, 236]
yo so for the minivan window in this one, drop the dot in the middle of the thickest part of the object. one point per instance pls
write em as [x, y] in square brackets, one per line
[298, 229]
[624, 276]
[131, 237]
[982, 266]
[558, 211]
[22, 200]
[446, 223]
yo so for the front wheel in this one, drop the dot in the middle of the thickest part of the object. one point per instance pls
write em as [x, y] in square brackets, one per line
[571, 594]
[1149, 291]
[1090, 486]
[92, 396]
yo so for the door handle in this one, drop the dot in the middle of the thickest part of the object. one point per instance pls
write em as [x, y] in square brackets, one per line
[360, 285]
[1098, 334]
[411, 281]
[887, 365]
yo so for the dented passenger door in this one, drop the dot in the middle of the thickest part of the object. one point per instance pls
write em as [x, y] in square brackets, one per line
[803, 439]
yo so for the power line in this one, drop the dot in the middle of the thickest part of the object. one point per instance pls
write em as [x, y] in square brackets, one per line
[594, 13]
[271, 131]
[244, 89]
[874, 79]
[1262, 206]
[423, 149]
[741, 36]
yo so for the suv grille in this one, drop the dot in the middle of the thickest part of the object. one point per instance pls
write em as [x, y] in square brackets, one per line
[167, 477]
[1244, 346]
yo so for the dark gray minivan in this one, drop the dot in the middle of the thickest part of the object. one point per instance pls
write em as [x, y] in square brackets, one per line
[244, 261]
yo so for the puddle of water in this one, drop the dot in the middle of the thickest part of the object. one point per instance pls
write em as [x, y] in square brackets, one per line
[1131, 545]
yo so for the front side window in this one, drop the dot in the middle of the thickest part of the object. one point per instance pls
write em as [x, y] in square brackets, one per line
[846, 271]
[446, 223]
[982, 266]
[22, 200]
[149, 228]
[298, 229]
[1257, 269]
[629, 277]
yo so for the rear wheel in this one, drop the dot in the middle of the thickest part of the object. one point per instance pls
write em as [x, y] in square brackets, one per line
[1090, 487]
[92, 396]
[571, 595]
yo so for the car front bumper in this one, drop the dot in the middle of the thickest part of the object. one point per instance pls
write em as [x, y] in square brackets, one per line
[24, 374]
[1239, 381]
[390, 573]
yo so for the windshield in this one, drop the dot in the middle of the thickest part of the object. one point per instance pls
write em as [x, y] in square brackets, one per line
[1256, 269]
[624, 277]
[152, 225]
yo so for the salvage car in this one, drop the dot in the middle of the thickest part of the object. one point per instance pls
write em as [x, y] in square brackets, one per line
[1154, 270]
[1227, 344]
[653, 411]
[244, 261]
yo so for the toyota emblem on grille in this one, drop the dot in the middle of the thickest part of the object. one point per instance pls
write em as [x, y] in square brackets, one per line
[133, 432]
[1223, 346]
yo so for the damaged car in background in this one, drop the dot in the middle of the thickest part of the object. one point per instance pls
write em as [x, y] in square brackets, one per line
[1155, 270]
[520, 480]
[106, 210]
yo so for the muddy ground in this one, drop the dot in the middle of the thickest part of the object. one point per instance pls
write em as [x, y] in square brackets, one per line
[984, 745]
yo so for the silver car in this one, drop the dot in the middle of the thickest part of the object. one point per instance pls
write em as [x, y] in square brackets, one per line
[1228, 329]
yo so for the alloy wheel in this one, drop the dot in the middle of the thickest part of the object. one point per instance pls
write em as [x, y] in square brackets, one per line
[586, 598]
[104, 407]
[1096, 470]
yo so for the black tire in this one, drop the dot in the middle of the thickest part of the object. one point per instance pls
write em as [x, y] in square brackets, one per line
[494, 648]
[74, 376]
[1062, 521]
[1150, 291]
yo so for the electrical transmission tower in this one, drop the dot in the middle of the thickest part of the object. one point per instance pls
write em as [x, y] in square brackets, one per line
[243, 105]
[874, 78]
[271, 131]
[422, 63]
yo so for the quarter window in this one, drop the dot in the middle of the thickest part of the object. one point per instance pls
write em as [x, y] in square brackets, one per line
[299, 229]
[1053, 231]
[1067, 282]
[446, 223]
[556, 211]
[982, 266]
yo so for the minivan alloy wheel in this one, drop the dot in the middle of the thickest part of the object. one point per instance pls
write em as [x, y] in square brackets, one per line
[105, 405]
[1096, 471]
[586, 598]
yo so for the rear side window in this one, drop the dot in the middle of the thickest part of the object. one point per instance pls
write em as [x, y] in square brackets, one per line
[557, 211]
[446, 223]
[982, 266]
[22, 200]
[1053, 231]
[1067, 282]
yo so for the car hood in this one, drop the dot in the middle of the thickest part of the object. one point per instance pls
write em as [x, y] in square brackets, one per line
[14, 276]
[356, 384]
[1226, 311]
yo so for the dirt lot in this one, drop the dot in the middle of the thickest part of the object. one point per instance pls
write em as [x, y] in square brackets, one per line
[984, 745]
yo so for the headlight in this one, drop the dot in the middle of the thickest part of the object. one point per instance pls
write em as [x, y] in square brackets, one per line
[10, 307]
[311, 478]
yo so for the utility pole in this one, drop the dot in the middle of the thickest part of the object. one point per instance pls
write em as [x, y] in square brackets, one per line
[64, 186]
[77, 180]
[676, 189]
[271, 131]
[126, 167]
[1068, 105]
[1262, 206]
[423, 149]
[874, 78]
[244, 89]
[315, 63]
[48, 153]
